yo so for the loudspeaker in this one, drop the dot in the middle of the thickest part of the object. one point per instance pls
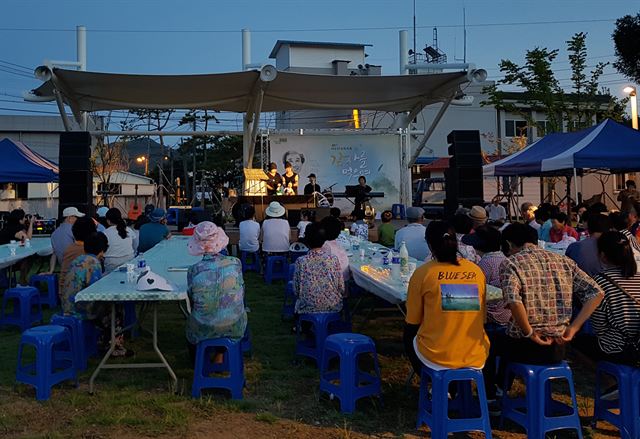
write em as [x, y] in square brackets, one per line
[464, 178]
[75, 180]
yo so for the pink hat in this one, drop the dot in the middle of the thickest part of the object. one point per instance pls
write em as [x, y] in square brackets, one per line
[207, 238]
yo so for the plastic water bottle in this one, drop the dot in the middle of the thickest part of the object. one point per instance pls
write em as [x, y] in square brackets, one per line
[404, 258]
[395, 266]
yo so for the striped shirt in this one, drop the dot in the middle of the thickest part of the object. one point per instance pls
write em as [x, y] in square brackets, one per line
[617, 319]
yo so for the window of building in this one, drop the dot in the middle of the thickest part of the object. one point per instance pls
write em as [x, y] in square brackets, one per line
[513, 128]
[543, 127]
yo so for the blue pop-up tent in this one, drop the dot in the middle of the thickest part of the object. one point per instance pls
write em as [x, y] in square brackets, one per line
[607, 146]
[19, 164]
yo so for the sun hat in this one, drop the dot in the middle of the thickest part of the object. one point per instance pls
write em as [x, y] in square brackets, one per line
[478, 214]
[207, 238]
[275, 210]
[415, 212]
[72, 211]
[157, 215]
[102, 211]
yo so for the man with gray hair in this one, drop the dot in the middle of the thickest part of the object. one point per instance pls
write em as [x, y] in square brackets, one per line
[413, 235]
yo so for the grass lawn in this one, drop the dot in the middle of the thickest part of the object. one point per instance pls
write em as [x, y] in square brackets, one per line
[281, 398]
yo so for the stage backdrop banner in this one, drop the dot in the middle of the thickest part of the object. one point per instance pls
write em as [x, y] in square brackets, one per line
[340, 160]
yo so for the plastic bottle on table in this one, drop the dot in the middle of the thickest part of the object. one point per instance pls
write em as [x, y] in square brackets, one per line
[404, 258]
[395, 266]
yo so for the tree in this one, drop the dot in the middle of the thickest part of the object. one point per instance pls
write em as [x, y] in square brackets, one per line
[106, 160]
[542, 90]
[625, 39]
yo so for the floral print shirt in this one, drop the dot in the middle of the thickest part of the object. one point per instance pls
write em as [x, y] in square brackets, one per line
[83, 271]
[216, 292]
[318, 283]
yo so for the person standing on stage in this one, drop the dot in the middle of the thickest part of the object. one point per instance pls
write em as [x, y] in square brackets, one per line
[290, 178]
[362, 192]
[312, 186]
[274, 180]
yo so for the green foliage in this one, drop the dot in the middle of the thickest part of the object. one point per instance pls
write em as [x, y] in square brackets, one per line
[625, 38]
[542, 90]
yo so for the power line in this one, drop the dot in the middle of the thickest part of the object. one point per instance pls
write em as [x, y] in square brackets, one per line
[14, 72]
[28, 69]
[334, 29]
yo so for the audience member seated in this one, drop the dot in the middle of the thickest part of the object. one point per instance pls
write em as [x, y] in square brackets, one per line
[62, 237]
[497, 213]
[82, 228]
[144, 218]
[463, 225]
[446, 307]
[249, 231]
[216, 290]
[486, 242]
[543, 217]
[19, 227]
[617, 320]
[332, 227]
[528, 213]
[305, 220]
[83, 271]
[539, 287]
[318, 281]
[620, 222]
[154, 231]
[275, 229]
[101, 218]
[123, 242]
[386, 231]
[413, 235]
[560, 229]
[585, 253]
[359, 228]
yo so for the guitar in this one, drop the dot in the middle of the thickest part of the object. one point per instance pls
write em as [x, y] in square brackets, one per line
[134, 210]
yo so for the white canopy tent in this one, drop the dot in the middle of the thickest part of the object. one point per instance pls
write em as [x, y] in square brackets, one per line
[251, 92]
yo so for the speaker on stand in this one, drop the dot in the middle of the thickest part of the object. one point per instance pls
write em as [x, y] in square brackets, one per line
[75, 179]
[463, 179]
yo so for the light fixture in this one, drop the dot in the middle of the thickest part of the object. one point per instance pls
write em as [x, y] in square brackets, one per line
[631, 91]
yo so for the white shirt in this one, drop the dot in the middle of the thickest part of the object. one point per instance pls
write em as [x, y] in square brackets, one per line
[249, 236]
[413, 236]
[496, 213]
[275, 235]
[302, 226]
[118, 247]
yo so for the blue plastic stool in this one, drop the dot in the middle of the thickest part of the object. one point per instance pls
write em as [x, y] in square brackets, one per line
[289, 304]
[434, 411]
[24, 299]
[398, 211]
[232, 363]
[250, 261]
[295, 255]
[536, 412]
[50, 297]
[245, 343]
[628, 403]
[277, 268]
[291, 272]
[76, 327]
[54, 359]
[322, 325]
[354, 383]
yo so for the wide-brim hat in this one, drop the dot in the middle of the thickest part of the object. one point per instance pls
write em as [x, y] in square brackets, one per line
[207, 238]
[478, 214]
[275, 210]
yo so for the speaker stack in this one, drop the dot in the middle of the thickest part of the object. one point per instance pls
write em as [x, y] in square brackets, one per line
[463, 179]
[75, 181]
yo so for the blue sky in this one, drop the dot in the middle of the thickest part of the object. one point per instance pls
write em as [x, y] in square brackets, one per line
[158, 36]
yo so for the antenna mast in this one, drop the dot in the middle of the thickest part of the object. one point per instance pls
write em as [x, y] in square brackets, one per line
[464, 30]
[414, 32]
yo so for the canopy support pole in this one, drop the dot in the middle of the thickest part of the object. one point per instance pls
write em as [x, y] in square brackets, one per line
[251, 119]
[63, 113]
[575, 182]
[430, 131]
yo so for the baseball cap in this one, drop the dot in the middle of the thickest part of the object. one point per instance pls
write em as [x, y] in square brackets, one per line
[311, 175]
[102, 211]
[72, 211]
[415, 212]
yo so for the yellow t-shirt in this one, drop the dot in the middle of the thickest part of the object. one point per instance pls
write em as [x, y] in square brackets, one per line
[448, 302]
